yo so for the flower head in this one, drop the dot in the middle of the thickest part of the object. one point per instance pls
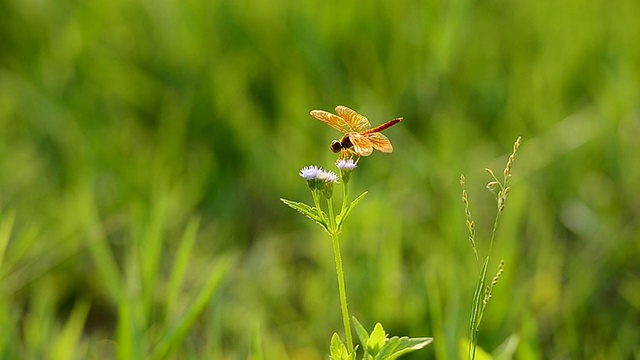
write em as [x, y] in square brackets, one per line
[346, 167]
[327, 176]
[346, 164]
[319, 179]
[309, 172]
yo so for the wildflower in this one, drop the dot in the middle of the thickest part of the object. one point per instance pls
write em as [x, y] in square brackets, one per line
[346, 168]
[319, 179]
[329, 178]
[310, 173]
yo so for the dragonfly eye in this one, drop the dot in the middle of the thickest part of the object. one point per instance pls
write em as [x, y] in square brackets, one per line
[336, 146]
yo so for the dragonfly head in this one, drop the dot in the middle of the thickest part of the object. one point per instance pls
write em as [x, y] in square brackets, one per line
[335, 146]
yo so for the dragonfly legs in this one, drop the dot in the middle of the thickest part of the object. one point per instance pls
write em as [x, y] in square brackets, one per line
[349, 154]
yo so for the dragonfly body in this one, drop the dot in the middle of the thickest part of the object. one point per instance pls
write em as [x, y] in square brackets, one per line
[359, 138]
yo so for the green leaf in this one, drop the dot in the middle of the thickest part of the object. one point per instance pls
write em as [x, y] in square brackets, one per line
[258, 351]
[306, 210]
[176, 332]
[71, 335]
[181, 263]
[339, 351]
[479, 355]
[507, 349]
[362, 333]
[6, 224]
[377, 340]
[398, 346]
[378, 347]
[341, 217]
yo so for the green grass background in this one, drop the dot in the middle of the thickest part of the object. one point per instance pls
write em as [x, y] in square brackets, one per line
[144, 146]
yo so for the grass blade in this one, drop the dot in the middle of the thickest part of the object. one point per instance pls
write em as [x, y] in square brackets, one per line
[174, 336]
[181, 262]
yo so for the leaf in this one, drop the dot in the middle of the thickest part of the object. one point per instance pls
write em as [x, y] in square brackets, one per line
[307, 211]
[362, 333]
[181, 263]
[507, 349]
[479, 355]
[396, 347]
[176, 332]
[258, 351]
[341, 217]
[69, 339]
[338, 351]
[378, 347]
[377, 340]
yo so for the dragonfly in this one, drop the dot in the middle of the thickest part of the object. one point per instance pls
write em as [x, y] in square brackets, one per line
[359, 138]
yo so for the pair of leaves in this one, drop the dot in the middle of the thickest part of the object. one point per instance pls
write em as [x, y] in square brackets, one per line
[319, 216]
[308, 211]
[377, 346]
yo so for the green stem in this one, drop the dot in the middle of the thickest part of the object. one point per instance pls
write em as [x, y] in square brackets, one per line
[315, 194]
[476, 310]
[344, 198]
[493, 233]
[478, 307]
[332, 219]
[342, 290]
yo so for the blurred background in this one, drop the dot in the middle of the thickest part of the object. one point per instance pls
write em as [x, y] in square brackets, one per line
[144, 146]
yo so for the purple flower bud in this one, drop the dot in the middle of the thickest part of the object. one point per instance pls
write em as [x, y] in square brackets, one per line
[346, 165]
[309, 172]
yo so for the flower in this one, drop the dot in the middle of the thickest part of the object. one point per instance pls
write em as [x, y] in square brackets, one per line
[319, 179]
[346, 168]
[346, 164]
[327, 176]
[309, 172]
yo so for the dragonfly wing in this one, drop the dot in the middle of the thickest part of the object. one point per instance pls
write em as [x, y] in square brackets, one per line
[380, 142]
[332, 120]
[361, 144]
[356, 122]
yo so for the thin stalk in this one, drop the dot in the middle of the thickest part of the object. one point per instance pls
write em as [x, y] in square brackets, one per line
[344, 198]
[477, 311]
[341, 214]
[493, 233]
[332, 219]
[342, 290]
[315, 194]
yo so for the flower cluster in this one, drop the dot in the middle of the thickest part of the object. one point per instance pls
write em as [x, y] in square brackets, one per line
[322, 180]
[319, 179]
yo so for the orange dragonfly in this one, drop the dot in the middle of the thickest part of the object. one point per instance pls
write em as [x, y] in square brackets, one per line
[359, 138]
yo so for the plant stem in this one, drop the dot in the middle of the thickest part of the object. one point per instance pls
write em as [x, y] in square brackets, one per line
[342, 290]
[344, 198]
[478, 307]
[476, 310]
[316, 200]
[332, 220]
[496, 223]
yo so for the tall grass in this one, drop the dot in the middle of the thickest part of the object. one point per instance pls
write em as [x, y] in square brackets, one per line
[483, 291]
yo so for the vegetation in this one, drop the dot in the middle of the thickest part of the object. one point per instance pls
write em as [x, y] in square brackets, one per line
[144, 147]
